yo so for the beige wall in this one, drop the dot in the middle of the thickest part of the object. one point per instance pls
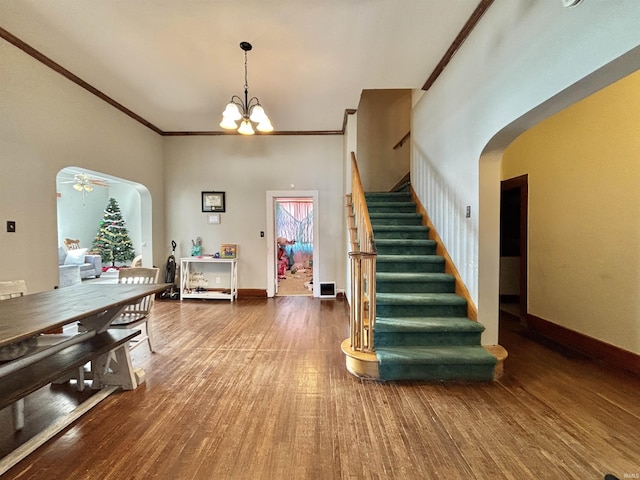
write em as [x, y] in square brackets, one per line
[384, 118]
[47, 123]
[245, 169]
[584, 214]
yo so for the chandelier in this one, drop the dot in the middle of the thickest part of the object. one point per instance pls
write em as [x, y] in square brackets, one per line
[248, 110]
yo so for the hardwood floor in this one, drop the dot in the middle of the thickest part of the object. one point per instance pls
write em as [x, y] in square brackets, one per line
[257, 389]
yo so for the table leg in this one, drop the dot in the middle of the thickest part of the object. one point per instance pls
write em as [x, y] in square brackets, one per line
[18, 414]
[114, 368]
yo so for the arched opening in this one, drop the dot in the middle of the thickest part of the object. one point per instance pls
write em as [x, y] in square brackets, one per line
[490, 178]
[82, 196]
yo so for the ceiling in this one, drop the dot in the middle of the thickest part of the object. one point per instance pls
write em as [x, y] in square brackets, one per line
[176, 63]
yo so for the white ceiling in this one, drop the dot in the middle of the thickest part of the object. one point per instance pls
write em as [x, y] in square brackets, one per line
[176, 63]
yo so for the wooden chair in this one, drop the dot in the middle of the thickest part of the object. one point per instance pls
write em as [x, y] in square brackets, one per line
[11, 289]
[71, 244]
[138, 314]
[136, 262]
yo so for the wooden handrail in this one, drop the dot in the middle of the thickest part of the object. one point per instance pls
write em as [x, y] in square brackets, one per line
[402, 140]
[362, 262]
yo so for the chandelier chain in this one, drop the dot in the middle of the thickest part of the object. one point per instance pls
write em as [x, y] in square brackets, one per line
[246, 81]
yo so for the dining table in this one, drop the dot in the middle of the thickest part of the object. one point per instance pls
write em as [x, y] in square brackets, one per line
[30, 354]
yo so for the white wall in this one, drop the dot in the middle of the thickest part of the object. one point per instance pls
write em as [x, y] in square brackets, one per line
[521, 54]
[245, 168]
[46, 124]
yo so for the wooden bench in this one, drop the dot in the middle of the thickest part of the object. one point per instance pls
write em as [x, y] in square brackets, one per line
[30, 378]
[109, 353]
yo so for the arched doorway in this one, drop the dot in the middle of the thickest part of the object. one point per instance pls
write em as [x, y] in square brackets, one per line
[80, 208]
[490, 178]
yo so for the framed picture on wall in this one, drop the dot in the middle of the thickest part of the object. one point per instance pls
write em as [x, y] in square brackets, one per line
[228, 250]
[213, 202]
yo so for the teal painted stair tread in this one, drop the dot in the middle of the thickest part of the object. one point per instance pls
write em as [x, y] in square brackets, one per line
[417, 282]
[394, 215]
[430, 324]
[420, 304]
[394, 196]
[391, 207]
[411, 258]
[414, 277]
[400, 231]
[389, 246]
[420, 298]
[469, 363]
[427, 331]
[463, 355]
[375, 204]
[410, 263]
[395, 219]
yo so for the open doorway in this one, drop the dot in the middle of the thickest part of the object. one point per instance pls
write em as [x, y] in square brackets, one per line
[513, 246]
[293, 249]
[294, 237]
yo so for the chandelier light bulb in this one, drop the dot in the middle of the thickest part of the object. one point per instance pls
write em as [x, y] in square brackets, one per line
[245, 128]
[257, 114]
[228, 123]
[232, 112]
[265, 126]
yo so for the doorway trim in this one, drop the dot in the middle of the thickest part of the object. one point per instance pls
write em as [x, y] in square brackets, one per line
[521, 183]
[272, 196]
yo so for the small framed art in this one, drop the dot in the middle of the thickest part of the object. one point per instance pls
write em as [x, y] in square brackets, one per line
[213, 202]
[228, 250]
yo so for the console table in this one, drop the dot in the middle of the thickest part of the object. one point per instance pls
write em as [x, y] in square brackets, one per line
[201, 277]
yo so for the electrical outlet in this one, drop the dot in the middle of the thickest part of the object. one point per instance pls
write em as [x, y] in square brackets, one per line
[261, 234]
[217, 279]
[468, 214]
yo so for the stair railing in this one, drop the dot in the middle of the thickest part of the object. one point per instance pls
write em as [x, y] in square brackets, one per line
[362, 261]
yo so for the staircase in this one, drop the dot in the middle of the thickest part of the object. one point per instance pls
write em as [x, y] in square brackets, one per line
[422, 331]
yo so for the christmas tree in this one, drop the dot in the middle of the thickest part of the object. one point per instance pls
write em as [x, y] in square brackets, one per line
[112, 240]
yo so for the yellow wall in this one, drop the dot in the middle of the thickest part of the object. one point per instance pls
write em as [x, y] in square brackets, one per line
[584, 214]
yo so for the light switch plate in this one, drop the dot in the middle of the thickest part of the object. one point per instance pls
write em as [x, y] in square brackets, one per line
[11, 226]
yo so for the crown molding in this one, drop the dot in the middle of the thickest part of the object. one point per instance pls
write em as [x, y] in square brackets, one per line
[475, 17]
[42, 58]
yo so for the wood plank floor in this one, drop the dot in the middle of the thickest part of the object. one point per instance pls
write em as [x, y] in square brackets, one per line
[258, 389]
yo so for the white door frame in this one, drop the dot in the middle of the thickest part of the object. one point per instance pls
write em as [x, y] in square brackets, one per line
[272, 195]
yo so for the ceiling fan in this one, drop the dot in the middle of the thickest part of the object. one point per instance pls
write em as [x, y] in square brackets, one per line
[84, 183]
